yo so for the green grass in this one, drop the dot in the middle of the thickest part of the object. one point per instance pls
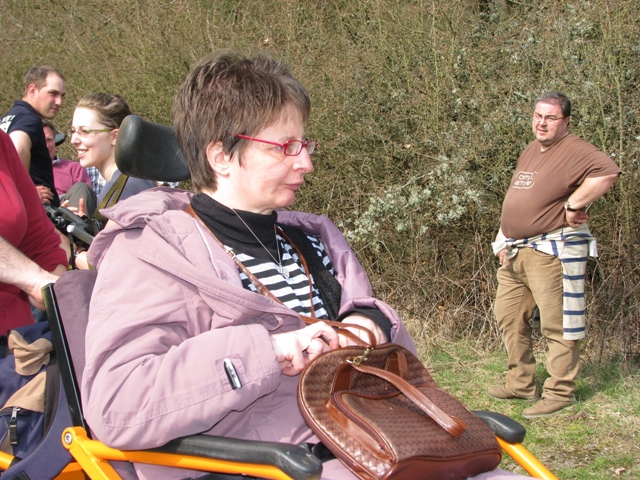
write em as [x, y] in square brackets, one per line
[597, 438]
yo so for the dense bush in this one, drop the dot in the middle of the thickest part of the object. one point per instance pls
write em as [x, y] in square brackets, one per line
[421, 110]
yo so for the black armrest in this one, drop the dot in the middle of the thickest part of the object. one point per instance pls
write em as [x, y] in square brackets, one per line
[504, 427]
[294, 460]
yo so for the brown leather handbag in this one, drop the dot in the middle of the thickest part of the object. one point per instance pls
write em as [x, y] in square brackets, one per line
[378, 410]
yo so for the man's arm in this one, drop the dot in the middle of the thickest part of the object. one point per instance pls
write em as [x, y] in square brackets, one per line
[22, 142]
[17, 269]
[591, 190]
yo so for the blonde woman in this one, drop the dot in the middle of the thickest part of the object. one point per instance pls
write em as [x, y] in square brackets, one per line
[94, 131]
[96, 121]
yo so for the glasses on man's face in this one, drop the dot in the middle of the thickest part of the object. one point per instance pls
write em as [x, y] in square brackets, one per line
[290, 148]
[550, 119]
[86, 132]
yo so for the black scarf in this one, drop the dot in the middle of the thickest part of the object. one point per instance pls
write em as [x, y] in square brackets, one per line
[226, 225]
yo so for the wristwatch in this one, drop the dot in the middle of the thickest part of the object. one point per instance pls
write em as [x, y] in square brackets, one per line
[567, 206]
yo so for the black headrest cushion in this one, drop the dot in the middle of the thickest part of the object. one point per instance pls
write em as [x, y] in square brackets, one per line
[150, 151]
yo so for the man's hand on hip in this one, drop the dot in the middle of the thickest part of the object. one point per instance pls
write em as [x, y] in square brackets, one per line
[575, 219]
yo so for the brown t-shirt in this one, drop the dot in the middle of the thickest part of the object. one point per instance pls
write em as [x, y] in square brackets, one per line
[543, 181]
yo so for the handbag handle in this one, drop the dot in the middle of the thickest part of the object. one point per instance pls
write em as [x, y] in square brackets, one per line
[452, 425]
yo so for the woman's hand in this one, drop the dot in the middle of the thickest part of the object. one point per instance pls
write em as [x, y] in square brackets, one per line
[356, 318]
[79, 256]
[294, 350]
[80, 210]
[81, 261]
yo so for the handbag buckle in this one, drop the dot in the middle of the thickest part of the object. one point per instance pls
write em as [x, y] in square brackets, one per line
[360, 358]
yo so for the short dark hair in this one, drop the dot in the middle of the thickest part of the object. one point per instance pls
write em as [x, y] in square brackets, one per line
[38, 76]
[227, 94]
[110, 109]
[556, 98]
[49, 124]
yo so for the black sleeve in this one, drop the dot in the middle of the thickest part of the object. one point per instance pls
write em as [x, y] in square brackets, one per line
[375, 315]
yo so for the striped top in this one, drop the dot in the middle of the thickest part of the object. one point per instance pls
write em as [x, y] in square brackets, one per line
[293, 291]
[233, 233]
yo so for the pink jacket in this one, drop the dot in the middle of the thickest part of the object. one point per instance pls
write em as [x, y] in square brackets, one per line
[169, 306]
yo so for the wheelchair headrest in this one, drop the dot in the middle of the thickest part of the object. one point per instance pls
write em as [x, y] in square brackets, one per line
[149, 151]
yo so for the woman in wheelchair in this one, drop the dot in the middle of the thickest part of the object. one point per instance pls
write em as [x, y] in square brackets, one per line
[183, 337]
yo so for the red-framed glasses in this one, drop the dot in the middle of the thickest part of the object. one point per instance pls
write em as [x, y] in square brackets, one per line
[290, 148]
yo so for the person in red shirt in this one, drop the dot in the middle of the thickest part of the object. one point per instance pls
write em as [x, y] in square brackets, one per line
[30, 253]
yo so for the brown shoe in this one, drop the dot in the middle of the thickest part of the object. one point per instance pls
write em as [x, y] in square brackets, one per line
[502, 393]
[545, 408]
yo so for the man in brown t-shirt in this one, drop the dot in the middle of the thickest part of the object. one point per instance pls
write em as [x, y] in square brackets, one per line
[542, 246]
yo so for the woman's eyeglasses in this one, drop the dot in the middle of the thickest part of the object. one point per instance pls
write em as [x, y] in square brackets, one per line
[87, 132]
[290, 148]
